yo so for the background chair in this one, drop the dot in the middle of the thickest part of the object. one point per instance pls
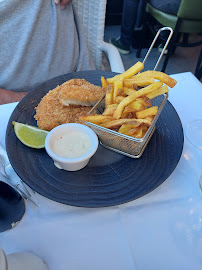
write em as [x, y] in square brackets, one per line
[187, 21]
[92, 15]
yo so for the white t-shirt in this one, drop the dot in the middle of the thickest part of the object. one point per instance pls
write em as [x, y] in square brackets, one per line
[39, 41]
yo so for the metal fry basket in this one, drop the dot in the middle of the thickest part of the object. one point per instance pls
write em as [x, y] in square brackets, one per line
[126, 145]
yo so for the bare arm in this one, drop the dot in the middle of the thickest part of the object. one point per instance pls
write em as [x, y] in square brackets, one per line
[7, 96]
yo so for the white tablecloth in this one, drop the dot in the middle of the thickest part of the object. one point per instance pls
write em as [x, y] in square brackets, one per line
[160, 231]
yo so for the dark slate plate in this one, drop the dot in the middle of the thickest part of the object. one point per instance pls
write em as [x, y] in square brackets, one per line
[12, 207]
[109, 178]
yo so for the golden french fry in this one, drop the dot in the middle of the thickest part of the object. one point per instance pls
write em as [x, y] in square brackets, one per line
[128, 110]
[119, 99]
[118, 84]
[138, 133]
[144, 100]
[135, 106]
[126, 127]
[110, 110]
[160, 76]
[127, 115]
[164, 89]
[112, 105]
[142, 75]
[131, 109]
[129, 99]
[96, 119]
[145, 81]
[140, 104]
[139, 81]
[128, 73]
[119, 122]
[150, 117]
[121, 93]
[104, 83]
[150, 111]
[128, 91]
[109, 95]
[144, 130]
[135, 132]
[134, 86]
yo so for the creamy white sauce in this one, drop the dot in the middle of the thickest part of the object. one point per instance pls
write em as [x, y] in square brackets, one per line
[71, 145]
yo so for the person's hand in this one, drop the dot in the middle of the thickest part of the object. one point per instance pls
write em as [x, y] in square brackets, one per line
[63, 3]
[7, 96]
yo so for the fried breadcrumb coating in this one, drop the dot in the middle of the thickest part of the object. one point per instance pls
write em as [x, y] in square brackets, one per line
[50, 113]
[79, 92]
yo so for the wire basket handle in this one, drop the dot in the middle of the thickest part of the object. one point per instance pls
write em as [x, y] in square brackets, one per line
[165, 46]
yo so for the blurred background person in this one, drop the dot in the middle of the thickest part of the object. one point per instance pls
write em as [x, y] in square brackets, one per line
[40, 39]
[133, 11]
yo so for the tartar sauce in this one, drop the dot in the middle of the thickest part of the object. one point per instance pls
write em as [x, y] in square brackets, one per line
[71, 145]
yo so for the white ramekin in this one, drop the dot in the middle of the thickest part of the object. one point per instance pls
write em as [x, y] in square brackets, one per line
[71, 164]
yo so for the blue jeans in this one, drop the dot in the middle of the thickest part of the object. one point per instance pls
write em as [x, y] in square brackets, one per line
[133, 12]
[129, 16]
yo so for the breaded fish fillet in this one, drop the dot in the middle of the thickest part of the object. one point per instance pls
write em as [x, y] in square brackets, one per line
[80, 92]
[51, 113]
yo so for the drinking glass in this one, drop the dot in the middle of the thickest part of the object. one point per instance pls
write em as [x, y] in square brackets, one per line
[193, 132]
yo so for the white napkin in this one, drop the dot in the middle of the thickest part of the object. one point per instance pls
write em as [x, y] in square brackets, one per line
[162, 230]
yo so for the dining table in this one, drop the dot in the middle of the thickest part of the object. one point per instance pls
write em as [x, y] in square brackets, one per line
[161, 230]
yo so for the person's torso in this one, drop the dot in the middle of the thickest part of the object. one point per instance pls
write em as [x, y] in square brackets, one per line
[38, 41]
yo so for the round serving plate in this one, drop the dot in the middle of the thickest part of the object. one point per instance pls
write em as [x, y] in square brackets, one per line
[109, 178]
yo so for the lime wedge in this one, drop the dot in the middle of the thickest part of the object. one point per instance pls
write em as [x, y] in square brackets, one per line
[29, 135]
